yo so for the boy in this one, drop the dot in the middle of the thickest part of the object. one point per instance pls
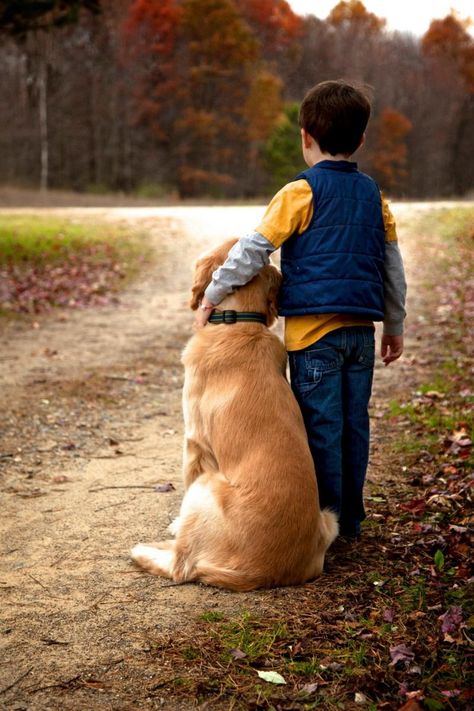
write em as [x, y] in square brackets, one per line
[341, 271]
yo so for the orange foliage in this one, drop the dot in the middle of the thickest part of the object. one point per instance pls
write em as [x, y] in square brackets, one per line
[215, 71]
[264, 105]
[448, 40]
[149, 34]
[354, 14]
[389, 154]
[157, 20]
[274, 21]
[219, 39]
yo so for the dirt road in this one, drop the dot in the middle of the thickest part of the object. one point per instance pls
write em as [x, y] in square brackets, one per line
[92, 427]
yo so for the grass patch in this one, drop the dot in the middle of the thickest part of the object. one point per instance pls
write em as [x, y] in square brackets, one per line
[48, 261]
[32, 239]
[251, 636]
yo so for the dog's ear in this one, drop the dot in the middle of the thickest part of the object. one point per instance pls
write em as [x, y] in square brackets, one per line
[274, 278]
[202, 277]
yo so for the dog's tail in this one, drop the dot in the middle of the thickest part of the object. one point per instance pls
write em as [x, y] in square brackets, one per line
[228, 578]
[329, 527]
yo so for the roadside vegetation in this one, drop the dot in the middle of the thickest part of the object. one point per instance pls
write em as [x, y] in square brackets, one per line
[47, 262]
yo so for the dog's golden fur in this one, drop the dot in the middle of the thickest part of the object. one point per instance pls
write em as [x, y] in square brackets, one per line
[250, 516]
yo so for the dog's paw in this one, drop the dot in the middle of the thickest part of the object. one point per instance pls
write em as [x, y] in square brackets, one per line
[142, 553]
[158, 561]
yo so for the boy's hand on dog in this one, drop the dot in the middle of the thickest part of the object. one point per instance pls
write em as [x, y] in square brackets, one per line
[203, 312]
[392, 348]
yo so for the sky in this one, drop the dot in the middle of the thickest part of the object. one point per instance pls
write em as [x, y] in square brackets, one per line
[403, 15]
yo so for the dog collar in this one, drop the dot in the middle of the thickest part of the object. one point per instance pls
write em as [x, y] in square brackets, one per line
[230, 316]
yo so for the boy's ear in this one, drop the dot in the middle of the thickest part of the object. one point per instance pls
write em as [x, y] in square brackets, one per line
[203, 270]
[306, 138]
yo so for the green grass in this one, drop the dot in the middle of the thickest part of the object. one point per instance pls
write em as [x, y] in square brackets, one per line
[305, 667]
[212, 616]
[38, 240]
[251, 636]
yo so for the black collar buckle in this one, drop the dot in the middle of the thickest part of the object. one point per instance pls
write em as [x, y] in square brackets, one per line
[229, 316]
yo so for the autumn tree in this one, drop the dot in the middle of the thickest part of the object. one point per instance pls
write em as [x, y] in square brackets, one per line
[217, 56]
[273, 22]
[263, 109]
[150, 32]
[352, 14]
[356, 36]
[449, 52]
[389, 150]
[449, 43]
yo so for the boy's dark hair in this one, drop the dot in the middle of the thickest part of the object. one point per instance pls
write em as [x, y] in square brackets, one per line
[335, 114]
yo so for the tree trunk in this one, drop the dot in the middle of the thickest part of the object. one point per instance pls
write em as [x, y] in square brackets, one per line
[43, 109]
[43, 122]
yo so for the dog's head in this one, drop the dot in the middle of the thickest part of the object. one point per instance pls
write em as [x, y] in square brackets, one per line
[260, 294]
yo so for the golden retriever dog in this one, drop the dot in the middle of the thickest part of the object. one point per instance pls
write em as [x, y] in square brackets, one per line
[250, 516]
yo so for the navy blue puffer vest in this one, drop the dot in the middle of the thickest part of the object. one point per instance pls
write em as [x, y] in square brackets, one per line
[336, 265]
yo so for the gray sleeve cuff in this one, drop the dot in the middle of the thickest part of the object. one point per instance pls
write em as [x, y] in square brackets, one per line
[392, 328]
[244, 261]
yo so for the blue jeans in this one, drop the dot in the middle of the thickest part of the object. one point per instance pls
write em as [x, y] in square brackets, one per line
[332, 381]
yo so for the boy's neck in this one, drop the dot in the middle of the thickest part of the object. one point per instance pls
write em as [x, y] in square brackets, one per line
[313, 154]
[316, 155]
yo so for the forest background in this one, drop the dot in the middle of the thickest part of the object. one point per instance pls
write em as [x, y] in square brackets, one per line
[198, 98]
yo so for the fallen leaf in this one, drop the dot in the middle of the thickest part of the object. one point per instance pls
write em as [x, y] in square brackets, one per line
[309, 688]
[457, 529]
[296, 649]
[414, 506]
[60, 479]
[161, 488]
[459, 435]
[401, 653]
[332, 666]
[439, 559]
[69, 446]
[451, 693]
[451, 620]
[271, 676]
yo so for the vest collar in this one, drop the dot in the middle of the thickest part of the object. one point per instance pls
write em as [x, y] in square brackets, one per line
[345, 166]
